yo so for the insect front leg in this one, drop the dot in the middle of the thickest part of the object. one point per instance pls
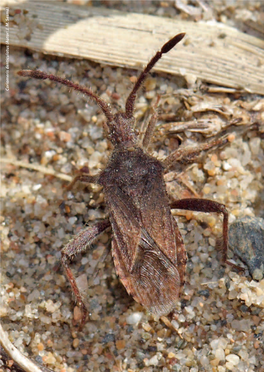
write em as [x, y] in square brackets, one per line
[83, 177]
[80, 243]
[151, 126]
[208, 206]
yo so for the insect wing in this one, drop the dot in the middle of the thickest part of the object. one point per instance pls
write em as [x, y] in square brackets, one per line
[157, 219]
[147, 273]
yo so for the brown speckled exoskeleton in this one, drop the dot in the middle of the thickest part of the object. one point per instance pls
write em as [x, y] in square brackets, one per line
[147, 247]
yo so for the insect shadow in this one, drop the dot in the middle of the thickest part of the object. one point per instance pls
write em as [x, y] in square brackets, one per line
[147, 247]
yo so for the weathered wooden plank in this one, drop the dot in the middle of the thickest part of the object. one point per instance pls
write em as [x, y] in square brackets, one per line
[213, 52]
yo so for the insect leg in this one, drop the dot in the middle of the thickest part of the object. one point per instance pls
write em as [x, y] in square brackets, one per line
[102, 258]
[208, 206]
[79, 244]
[151, 126]
[189, 154]
[85, 178]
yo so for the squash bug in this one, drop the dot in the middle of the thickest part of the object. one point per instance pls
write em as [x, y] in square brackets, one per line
[147, 247]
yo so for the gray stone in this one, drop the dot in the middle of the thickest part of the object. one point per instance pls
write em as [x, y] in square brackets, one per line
[246, 240]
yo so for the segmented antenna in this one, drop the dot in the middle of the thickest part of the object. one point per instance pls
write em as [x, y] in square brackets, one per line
[130, 103]
[43, 76]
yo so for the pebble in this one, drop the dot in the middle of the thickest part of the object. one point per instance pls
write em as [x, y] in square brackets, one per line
[220, 354]
[232, 359]
[134, 318]
[120, 344]
[49, 359]
[152, 361]
[246, 240]
[75, 343]
[77, 314]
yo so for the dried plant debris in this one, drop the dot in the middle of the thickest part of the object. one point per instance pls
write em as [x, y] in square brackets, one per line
[209, 115]
[246, 239]
[7, 364]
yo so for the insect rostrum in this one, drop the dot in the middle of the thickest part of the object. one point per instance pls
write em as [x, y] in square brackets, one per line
[147, 247]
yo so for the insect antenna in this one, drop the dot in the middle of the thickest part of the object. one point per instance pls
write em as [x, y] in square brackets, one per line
[165, 49]
[43, 76]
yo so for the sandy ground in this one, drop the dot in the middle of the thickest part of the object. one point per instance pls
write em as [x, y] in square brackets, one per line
[218, 324]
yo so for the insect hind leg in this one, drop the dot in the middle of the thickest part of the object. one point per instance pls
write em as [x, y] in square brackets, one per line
[80, 243]
[208, 206]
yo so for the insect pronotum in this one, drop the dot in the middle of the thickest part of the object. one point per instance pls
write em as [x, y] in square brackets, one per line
[147, 247]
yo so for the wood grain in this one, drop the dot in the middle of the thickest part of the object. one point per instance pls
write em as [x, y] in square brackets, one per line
[212, 52]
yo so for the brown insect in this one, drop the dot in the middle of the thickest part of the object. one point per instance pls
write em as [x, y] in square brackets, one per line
[147, 247]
